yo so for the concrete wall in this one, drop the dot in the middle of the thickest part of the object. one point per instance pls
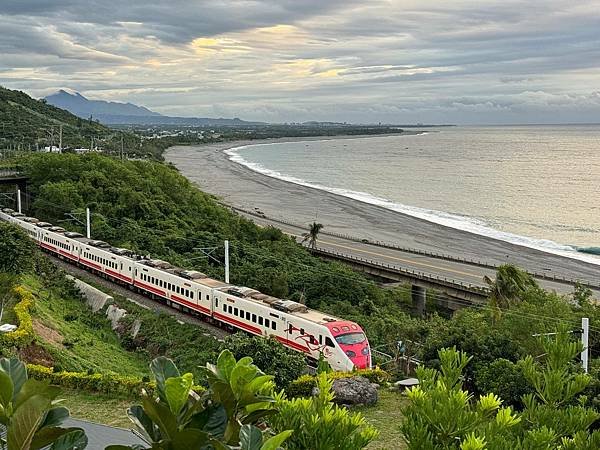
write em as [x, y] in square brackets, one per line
[95, 298]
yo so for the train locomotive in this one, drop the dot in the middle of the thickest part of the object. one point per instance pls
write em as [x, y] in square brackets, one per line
[341, 342]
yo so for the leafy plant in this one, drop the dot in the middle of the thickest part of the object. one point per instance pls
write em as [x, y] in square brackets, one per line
[29, 411]
[319, 424]
[223, 417]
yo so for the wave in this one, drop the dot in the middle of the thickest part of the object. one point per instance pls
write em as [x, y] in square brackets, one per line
[463, 223]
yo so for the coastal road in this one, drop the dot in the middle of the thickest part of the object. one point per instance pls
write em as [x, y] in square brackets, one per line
[453, 270]
[236, 185]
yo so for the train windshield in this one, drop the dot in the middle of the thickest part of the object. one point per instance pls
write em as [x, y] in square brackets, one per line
[350, 338]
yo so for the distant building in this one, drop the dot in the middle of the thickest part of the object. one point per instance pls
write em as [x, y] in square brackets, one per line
[51, 149]
[81, 151]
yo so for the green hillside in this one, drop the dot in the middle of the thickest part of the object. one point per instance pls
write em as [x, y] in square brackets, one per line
[26, 122]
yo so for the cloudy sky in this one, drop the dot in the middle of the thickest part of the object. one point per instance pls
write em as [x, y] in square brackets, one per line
[394, 61]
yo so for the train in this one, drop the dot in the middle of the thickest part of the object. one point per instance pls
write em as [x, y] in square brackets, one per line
[342, 343]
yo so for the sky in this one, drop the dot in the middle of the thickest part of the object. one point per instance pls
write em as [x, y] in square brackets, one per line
[367, 61]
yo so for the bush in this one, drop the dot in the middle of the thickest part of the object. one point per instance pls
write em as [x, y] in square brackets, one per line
[23, 335]
[269, 355]
[304, 385]
[505, 379]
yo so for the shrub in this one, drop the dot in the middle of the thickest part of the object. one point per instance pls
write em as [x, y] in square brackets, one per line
[23, 335]
[505, 379]
[319, 424]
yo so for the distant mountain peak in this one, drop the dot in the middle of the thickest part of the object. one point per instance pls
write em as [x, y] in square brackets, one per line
[81, 106]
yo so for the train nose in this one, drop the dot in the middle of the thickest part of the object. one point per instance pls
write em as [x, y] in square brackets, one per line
[360, 357]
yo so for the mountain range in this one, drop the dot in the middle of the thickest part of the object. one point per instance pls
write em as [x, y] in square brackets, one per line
[128, 113]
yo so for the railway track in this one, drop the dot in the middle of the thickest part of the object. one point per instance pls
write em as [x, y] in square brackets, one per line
[141, 300]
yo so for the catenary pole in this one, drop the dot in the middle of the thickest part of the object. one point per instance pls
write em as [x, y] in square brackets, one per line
[18, 200]
[87, 223]
[585, 335]
[226, 261]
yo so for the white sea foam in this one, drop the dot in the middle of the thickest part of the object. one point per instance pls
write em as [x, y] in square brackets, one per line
[464, 223]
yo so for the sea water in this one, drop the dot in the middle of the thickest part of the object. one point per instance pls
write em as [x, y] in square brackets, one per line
[537, 186]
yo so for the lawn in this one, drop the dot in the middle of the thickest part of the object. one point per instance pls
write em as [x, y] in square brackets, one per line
[75, 338]
[386, 416]
[97, 408]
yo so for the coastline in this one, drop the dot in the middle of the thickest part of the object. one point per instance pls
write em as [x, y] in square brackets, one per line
[243, 187]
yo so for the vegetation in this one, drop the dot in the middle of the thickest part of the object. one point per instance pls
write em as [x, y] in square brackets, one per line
[29, 411]
[16, 250]
[312, 234]
[441, 414]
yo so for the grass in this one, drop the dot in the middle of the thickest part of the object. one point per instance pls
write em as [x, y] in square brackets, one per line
[76, 338]
[97, 408]
[386, 416]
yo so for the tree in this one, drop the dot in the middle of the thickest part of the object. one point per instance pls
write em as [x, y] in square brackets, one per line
[509, 285]
[29, 411]
[311, 236]
[269, 355]
[225, 416]
[319, 424]
[17, 251]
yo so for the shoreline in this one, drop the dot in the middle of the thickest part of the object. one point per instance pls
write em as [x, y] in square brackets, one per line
[243, 187]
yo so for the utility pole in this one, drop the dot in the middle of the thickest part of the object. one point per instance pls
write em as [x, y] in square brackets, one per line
[92, 144]
[87, 223]
[585, 335]
[60, 140]
[121, 146]
[227, 262]
[18, 200]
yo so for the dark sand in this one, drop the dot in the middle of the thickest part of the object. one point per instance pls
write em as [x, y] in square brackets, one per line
[213, 172]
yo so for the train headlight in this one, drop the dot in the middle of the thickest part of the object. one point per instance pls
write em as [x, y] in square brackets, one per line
[350, 353]
[365, 351]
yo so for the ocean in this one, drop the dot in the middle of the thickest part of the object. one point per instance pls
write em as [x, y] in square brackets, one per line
[537, 186]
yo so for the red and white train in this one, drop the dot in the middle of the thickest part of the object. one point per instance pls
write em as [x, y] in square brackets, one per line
[342, 343]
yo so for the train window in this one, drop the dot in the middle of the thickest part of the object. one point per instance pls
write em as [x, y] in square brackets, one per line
[290, 328]
[192, 295]
[260, 320]
[247, 315]
[328, 342]
[267, 323]
[302, 332]
[207, 297]
[320, 340]
[224, 307]
[273, 325]
[313, 340]
[345, 328]
[254, 318]
[235, 311]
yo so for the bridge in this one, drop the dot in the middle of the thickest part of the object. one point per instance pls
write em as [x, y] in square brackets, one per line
[459, 280]
[12, 176]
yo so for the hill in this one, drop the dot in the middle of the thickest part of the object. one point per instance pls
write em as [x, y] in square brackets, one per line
[128, 113]
[27, 123]
[98, 109]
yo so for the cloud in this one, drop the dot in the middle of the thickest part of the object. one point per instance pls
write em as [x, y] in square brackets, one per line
[381, 60]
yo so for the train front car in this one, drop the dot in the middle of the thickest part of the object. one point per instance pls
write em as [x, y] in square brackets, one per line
[352, 340]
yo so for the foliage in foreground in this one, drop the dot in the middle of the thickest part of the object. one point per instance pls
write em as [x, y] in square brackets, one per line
[29, 411]
[320, 424]
[225, 416]
[442, 415]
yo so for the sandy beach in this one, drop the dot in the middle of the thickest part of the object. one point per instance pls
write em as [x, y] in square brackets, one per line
[209, 167]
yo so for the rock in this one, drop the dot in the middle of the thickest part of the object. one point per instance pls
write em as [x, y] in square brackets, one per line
[406, 384]
[355, 391]
[115, 314]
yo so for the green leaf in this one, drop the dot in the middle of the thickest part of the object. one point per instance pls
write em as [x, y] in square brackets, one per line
[161, 415]
[226, 363]
[275, 442]
[163, 368]
[25, 421]
[142, 422]
[190, 439]
[212, 420]
[250, 438]
[6, 389]
[74, 440]
[47, 436]
[177, 391]
[55, 417]
[255, 416]
[16, 370]
[35, 387]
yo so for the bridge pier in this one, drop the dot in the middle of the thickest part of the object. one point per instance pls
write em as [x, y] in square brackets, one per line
[419, 298]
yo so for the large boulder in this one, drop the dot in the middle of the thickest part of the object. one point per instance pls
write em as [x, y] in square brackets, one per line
[354, 391]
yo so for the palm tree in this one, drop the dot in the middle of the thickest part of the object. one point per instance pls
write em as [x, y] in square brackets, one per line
[509, 285]
[312, 235]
